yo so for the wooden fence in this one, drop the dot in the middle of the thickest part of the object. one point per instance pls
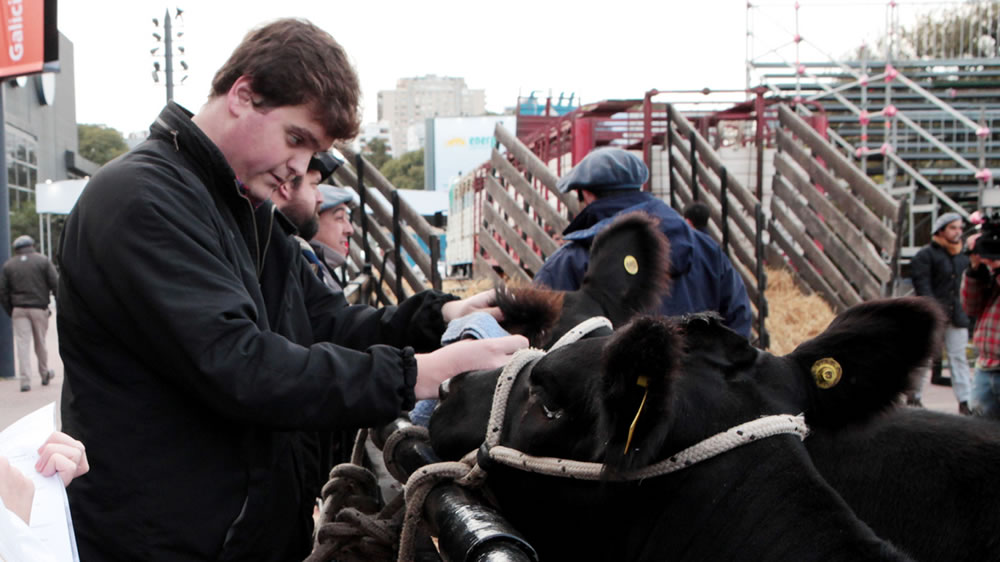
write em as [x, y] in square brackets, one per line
[519, 209]
[835, 227]
[737, 221]
[386, 236]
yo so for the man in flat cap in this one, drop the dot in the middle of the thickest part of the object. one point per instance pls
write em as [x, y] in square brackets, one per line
[26, 282]
[333, 240]
[609, 183]
[936, 271]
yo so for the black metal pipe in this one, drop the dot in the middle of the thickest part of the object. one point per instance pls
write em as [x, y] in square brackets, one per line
[694, 166]
[764, 341]
[397, 242]
[724, 191]
[468, 530]
[670, 155]
[359, 165]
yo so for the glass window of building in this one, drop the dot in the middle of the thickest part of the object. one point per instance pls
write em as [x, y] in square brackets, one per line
[22, 166]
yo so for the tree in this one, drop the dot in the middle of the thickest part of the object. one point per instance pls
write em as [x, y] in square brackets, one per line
[377, 153]
[407, 171]
[100, 144]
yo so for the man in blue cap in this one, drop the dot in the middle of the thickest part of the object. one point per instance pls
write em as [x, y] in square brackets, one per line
[609, 183]
[332, 241]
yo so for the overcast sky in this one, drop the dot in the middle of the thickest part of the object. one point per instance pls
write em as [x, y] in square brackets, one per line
[609, 50]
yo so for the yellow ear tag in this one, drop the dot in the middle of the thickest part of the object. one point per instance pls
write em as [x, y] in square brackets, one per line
[631, 265]
[643, 382]
[827, 372]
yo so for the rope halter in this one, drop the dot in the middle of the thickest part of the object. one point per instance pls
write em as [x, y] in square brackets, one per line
[420, 482]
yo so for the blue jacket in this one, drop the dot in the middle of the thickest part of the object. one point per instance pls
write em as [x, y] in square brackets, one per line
[702, 277]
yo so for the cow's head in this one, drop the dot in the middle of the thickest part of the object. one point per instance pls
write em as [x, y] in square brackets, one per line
[628, 273]
[698, 377]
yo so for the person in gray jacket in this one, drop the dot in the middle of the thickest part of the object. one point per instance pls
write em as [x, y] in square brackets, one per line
[27, 281]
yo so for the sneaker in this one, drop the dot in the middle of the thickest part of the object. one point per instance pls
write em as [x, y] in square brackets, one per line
[915, 402]
[25, 387]
[963, 409]
[47, 376]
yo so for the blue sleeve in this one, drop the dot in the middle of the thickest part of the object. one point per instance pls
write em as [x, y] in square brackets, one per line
[564, 270]
[734, 303]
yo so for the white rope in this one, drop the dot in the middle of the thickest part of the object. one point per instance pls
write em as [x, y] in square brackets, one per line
[720, 443]
[468, 473]
[582, 329]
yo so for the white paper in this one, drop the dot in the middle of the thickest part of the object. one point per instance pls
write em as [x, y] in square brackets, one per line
[50, 516]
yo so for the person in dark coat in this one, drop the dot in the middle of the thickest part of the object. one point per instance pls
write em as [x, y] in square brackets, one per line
[199, 347]
[609, 182]
[936, 271]
[26, 283]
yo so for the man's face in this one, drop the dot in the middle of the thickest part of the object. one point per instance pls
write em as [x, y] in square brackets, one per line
[952, 232]
[335, 228]
[302, 206]
[270, 146]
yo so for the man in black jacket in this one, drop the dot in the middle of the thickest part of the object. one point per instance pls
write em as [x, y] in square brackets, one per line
[936, 271]
[199, 347]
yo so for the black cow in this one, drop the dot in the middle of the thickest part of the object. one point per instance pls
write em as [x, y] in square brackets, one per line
[927, 481]
[628, 272]
[763, 500]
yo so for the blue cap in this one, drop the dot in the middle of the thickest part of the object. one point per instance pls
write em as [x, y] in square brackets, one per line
[606, 169]
[333, 196]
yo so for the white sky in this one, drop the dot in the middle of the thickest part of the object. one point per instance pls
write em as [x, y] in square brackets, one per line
[609, 50]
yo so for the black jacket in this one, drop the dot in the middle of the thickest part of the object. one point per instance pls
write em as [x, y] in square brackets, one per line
[937, 274]
[188, 328]
[26, 281]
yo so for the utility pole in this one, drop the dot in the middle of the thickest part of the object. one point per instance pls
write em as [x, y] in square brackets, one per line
[167, 39]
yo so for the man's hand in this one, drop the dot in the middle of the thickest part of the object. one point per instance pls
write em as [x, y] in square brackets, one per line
[63, 455]
[16, 490]
[459, 357]
[483, 301]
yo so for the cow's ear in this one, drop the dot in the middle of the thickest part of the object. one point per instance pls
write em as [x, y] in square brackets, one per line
[529, 311]
[867, 357]
[640, 362]
[629, 270]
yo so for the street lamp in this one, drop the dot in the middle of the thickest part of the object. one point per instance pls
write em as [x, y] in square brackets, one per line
[167, 38]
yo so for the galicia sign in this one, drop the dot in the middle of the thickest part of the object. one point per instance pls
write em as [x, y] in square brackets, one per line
[28, 39]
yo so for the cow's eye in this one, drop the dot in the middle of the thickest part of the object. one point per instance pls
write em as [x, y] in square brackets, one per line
[552, 414]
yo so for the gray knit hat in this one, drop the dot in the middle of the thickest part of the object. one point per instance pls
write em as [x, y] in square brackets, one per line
[944, 220]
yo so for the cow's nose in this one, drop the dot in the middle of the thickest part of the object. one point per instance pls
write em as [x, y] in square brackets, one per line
[443, 389]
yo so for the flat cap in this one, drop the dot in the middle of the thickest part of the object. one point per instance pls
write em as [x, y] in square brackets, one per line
[333, 196]
[23, 241]
[606, 169]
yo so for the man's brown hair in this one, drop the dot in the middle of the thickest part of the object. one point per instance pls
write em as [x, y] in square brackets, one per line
[293, 62]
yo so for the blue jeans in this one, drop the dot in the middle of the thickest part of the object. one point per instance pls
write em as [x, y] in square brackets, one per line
[954, 341]
[985, 400]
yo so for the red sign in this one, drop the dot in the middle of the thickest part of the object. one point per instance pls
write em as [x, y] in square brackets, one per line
[22, 37]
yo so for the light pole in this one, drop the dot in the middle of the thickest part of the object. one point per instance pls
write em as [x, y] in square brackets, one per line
[167, 38]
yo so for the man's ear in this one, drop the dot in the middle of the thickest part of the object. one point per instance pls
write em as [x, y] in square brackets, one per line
[240, 96]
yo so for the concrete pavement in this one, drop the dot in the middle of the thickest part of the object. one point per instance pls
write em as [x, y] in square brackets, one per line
[13, 403]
